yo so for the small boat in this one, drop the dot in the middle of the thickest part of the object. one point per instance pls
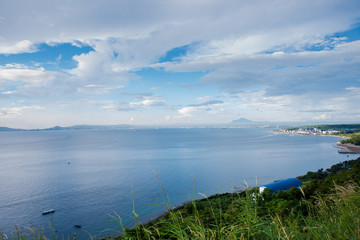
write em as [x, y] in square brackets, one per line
[77, 226]
[48, 211]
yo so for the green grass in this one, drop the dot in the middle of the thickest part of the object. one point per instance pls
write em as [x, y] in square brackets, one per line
[327, 207]
[333, 216]
[354, 138]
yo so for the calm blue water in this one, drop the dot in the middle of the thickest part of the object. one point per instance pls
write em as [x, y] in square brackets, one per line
[110, 168]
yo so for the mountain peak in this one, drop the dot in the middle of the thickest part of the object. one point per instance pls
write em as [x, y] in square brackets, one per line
[242, 121]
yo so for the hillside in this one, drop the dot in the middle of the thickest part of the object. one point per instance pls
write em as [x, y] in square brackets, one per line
[327, 207]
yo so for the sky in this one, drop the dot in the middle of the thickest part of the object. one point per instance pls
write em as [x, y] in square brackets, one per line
[178, 62]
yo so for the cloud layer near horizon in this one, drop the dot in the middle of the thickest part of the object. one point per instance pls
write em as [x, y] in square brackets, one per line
[258, 59]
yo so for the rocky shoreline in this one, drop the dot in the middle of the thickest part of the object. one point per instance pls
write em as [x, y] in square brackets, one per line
[348, 148]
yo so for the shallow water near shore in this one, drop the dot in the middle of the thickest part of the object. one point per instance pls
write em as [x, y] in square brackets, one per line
[87, 175]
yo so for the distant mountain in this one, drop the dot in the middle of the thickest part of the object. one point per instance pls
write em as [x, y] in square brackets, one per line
[242, 121]
[76, 127]
[247, 122]
[87, 127]
[6, 129]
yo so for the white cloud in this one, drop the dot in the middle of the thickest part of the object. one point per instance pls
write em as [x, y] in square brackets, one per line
[97, 89]
[131, 120]
[321, 117]
[211, 107]
[285, 73]
[147, 103]
[8, 92]
[205, 98]
[353, 90]
[15, 111]
[130, 106]
[24, 74]
[23, 46]
[259, 106]
[100, 66]
[186, 112]
[140, 95]
[25, 82]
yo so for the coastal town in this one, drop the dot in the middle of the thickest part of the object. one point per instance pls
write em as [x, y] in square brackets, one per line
[350, 145]
[309, 131]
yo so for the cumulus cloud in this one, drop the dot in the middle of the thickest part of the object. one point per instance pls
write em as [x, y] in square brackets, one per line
[321, 117]
[281, 73]
[147, 103]
[100, 66]
[132, 106]
[211, 106]
[140, 95]
[97, 89]
[25, 75]
[125, 42]
[23, 46]
[207, 103]
[11, 111]
[147, 31]
[258, 53]
[8, 92]
[28, 82]
[185, 112]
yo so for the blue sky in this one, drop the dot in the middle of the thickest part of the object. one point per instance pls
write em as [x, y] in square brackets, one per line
[168, 63]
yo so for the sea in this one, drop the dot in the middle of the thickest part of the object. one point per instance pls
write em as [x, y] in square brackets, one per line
[101, 179]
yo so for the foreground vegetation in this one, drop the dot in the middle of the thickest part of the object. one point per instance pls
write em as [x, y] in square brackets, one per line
[327, 207]
[354, 139]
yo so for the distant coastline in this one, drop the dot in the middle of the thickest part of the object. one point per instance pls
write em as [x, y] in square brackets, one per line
[347, 131]
[301, 131]
[309, 134]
